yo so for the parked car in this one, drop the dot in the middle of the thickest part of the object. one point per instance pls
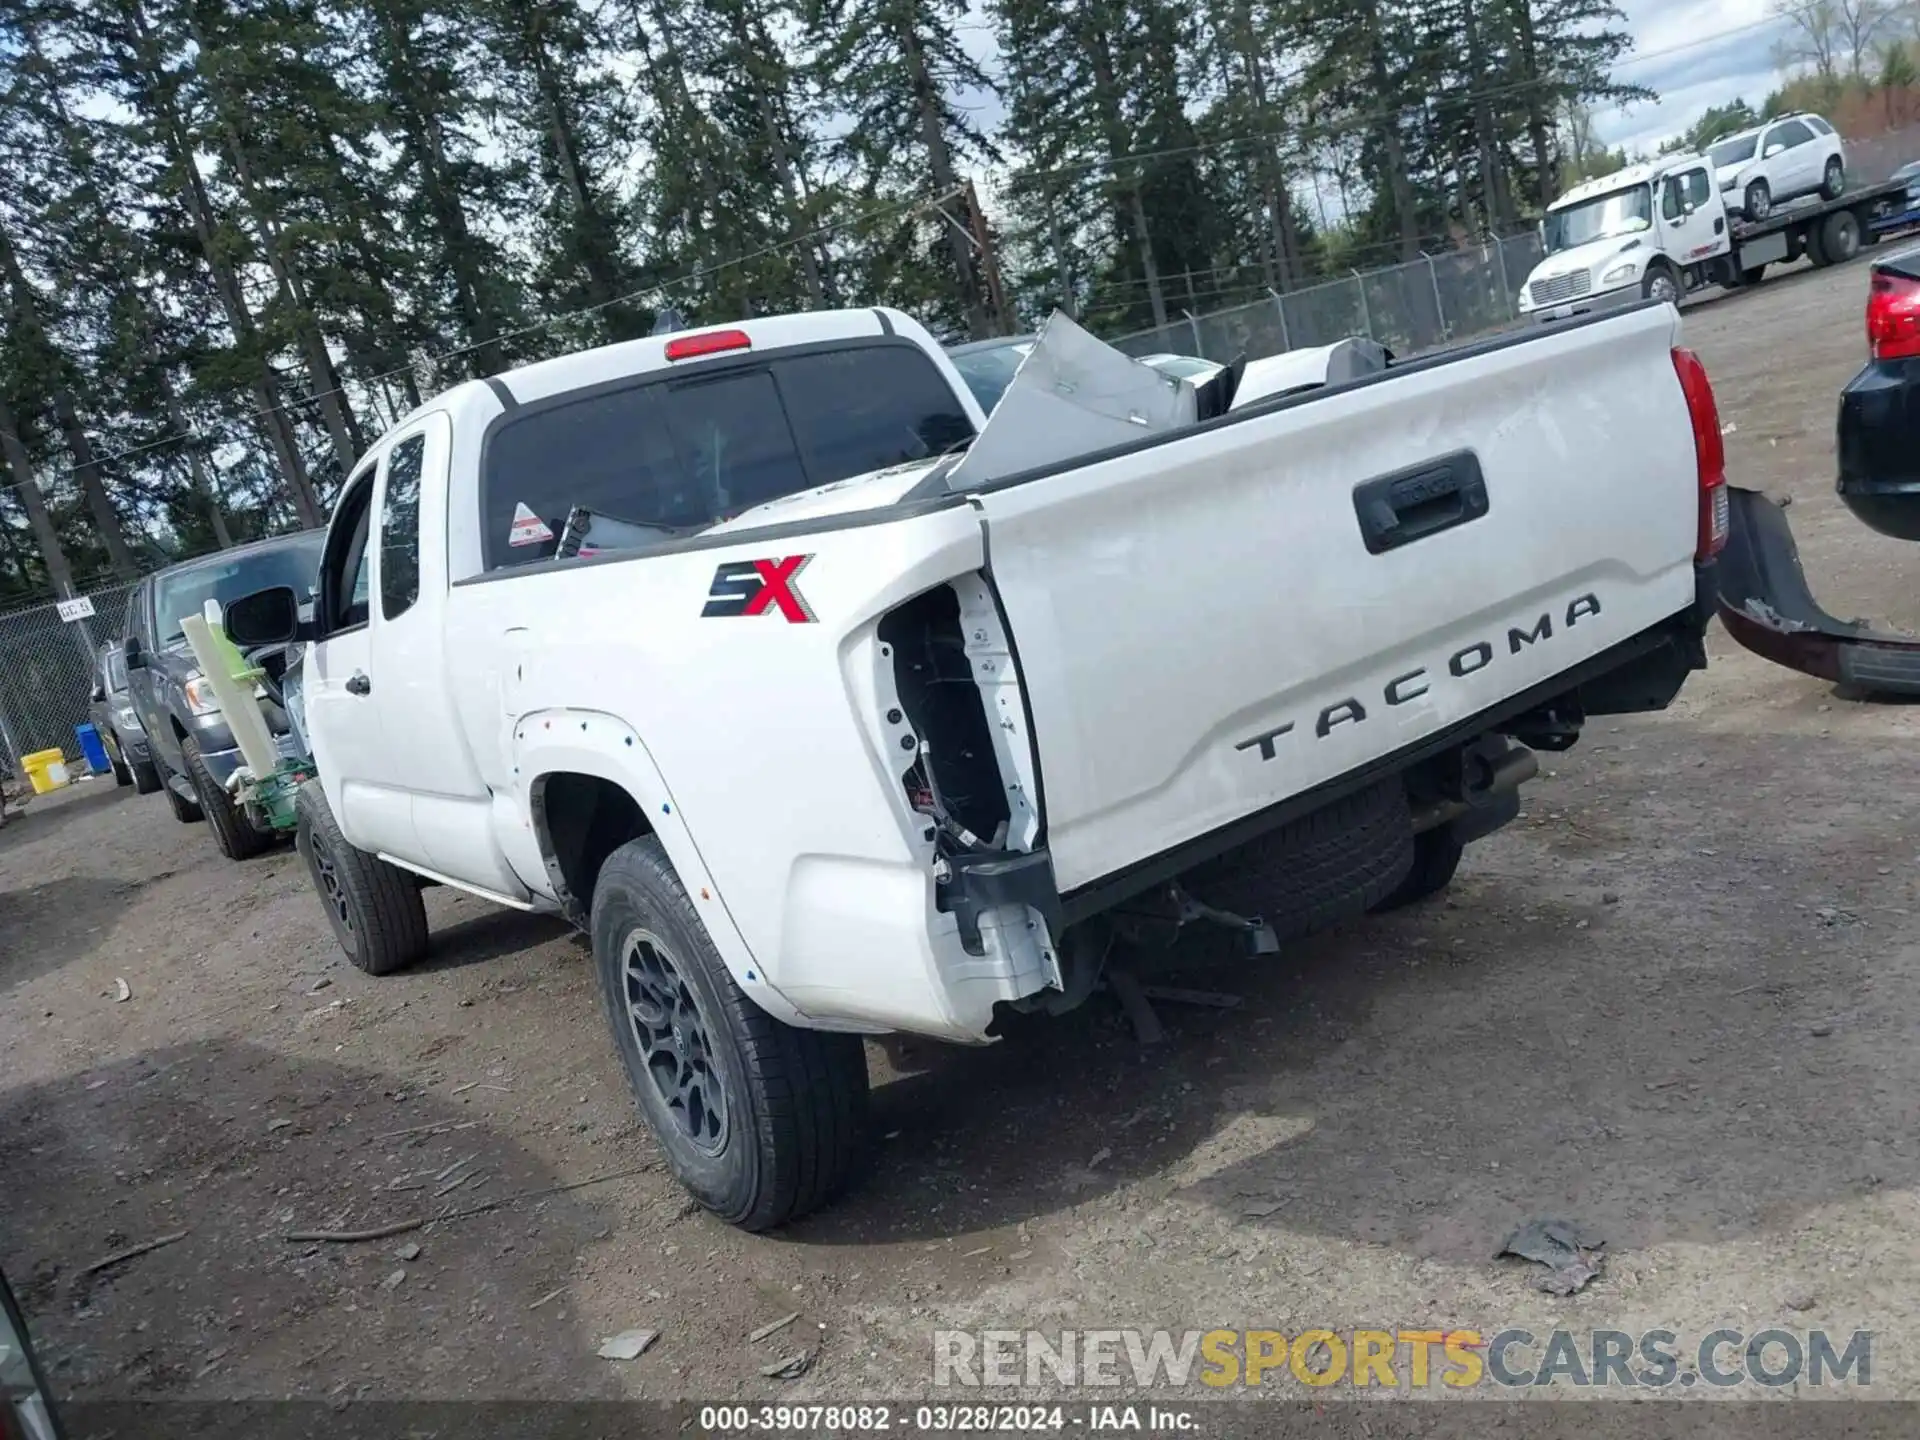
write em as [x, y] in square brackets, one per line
[193, 750]
[1786, 158]
[118, 723]
[1879, 425]
[898, 715]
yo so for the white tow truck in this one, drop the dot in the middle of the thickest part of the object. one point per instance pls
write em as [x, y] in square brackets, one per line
[829, 706]
[1661, 229]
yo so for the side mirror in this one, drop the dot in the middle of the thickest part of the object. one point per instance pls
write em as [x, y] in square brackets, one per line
[136, 658]
[1771, 151]
[266, 617]
[99, 693]
[26, 1404]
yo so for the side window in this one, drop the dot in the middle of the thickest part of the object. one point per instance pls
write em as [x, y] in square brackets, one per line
[344, 578]
[1819, 126]
[1787, 134]
[1698, 188]
[1671, 196]
[400, 528]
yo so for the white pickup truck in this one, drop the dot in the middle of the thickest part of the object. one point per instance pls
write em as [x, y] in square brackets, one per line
[848, 736]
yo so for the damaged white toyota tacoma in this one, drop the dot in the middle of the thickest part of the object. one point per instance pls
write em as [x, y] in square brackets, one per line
[829, 707]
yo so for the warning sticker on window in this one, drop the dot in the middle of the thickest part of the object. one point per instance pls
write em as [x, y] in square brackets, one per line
[528, 528]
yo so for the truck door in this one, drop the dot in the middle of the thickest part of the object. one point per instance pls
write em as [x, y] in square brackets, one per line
[1693, 221]
[343, 720]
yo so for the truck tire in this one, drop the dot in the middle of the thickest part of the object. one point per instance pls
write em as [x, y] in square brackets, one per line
[1340, 861]
[1833, 183]
[1753, 275]
[1840, 237]
[232, 827]
[1660, 283]
[760, 1121]
[1436, 855]
[1757, 203]
[122, 772]
[146, 779]
[1816, 248]
[374, 908]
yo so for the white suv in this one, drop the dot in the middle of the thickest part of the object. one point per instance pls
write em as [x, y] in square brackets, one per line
[1794, 155]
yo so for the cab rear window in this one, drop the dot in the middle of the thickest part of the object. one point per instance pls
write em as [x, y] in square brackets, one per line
[680, 451]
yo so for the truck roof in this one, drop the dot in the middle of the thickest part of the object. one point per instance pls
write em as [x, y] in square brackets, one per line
[1621, 179]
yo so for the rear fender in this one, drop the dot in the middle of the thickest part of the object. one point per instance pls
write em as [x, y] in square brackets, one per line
[591, 742]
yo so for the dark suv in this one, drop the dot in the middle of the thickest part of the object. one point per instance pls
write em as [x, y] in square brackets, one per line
[193, 750]
[119, 727]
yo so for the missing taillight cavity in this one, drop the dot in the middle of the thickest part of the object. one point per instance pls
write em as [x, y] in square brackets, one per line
[1893, 317]
[1710, 453]
[954, 777]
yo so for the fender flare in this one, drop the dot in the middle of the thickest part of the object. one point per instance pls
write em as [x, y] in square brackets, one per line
[592, 742]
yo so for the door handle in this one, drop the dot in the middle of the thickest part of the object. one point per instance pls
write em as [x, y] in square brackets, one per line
[1423, 500]
[358, 683]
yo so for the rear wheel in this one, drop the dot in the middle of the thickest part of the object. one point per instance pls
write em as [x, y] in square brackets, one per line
[1758, 202]
[1332, 865]
[1436, 855]
[1753, 274]
[374, 908]
[1840, 237]
[1833, 182]
[122, 772]
[233, 829]
[762, 1122]
[1816, 248]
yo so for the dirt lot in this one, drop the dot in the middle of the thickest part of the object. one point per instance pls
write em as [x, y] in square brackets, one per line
[1676, 1004]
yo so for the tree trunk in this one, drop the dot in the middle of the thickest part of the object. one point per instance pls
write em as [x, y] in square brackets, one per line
[1393, 149]
[1107, 99]
[945, 181]
[270, 413]
[1547, 183]
[59, 572]
[326, 392]
[1273, 179]
[1492, 192]
[93, 487]
[426, 142]
[778, 148]
[203, 486]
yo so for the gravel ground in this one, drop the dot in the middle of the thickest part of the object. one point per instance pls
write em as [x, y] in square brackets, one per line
[1674, 1004]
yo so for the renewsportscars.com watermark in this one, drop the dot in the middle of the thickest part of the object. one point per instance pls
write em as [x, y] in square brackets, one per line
[1398, 1359]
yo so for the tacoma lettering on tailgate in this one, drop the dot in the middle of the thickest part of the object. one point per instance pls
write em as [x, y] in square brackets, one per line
[1465, 661]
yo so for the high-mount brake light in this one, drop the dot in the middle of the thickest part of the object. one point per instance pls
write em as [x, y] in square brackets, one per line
[707, 342]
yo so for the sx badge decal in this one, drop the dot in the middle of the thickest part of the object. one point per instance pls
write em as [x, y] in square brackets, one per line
[754, 587]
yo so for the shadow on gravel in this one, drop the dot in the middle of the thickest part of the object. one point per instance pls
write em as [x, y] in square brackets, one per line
[44, 926]
[47, 815]
[195, 1141]
[1700, 1061]
[488, 935]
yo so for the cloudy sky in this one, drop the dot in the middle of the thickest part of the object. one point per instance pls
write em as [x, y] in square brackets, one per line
[1692, 53]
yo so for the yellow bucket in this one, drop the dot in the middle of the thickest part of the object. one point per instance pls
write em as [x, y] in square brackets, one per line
[46, 770]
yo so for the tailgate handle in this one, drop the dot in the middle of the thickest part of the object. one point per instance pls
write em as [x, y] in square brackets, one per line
[1419, 501]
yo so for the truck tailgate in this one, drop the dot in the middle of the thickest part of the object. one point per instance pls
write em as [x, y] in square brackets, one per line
[1209, 624]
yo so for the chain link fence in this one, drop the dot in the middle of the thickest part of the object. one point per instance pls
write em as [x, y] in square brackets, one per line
[1422, 305]
[46, 673]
